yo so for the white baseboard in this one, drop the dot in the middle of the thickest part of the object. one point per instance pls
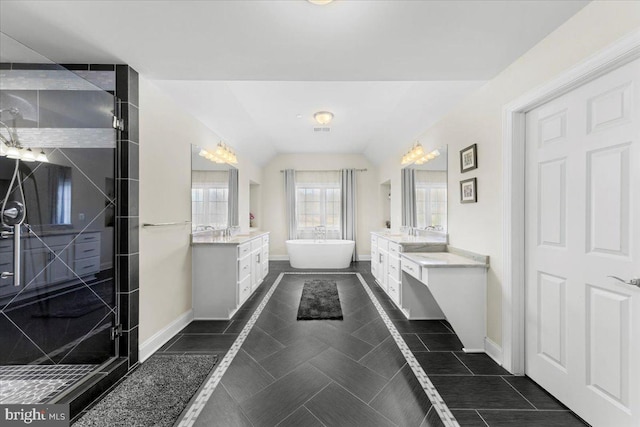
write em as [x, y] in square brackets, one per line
[364, 257]
[278, 257]
[493, 350]
[160, 338]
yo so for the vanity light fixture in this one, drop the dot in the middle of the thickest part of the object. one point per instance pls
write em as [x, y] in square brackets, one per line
[323, 117]
[14, 153]
[42, 157]
[320, 2]
[223, 154]
[28, 156]
[418, 156]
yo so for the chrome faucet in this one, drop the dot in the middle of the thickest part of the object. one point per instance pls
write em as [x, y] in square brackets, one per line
[320, 233]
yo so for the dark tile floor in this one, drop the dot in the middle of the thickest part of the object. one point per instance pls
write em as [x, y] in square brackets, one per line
[350, 372]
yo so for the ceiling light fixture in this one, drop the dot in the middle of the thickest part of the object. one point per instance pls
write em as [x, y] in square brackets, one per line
[323, 117]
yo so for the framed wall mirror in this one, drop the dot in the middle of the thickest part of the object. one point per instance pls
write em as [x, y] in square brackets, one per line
[424, 193]
[214, 193]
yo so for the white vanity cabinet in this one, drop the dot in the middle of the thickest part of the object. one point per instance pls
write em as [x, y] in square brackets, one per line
[226, 272]
[445, 285]
[385, 266]
[78, 258]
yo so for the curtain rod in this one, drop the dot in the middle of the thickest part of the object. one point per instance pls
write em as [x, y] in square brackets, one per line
[326, 170]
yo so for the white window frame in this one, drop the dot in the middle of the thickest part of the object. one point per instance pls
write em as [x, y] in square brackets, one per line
[207, 214]
[307, 232]
[427, 187]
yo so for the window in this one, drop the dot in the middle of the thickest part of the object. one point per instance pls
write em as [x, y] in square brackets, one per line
[318, 203]
[431, 206]
[209, 198]
[431, 199]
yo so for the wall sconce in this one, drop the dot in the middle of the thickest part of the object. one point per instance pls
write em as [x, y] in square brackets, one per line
[222, 154]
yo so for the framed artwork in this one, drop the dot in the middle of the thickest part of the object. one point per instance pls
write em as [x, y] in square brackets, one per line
[469, 158]
[468, 193]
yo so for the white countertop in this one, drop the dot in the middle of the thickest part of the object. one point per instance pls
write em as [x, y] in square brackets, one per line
[210, 238]
[442, 259]
[403, 239]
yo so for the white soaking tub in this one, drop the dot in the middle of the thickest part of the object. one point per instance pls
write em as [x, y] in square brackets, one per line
[307, 253]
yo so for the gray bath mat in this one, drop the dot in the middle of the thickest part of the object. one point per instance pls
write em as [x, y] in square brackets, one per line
[154, 395]
[320, 300]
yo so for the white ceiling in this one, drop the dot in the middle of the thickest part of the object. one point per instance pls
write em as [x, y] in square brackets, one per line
[260, 118]
[387, 69]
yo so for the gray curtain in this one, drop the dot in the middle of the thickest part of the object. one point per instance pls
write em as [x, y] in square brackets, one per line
[408, 191]
[348, 206]
[290, 202]
[232, 204]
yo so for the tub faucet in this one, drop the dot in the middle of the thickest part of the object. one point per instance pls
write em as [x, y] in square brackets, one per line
[320, 233]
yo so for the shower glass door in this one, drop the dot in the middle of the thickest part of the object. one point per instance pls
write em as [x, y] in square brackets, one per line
[57, 176]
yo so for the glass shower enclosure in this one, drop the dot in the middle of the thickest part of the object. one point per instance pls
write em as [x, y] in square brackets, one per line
[58, 305]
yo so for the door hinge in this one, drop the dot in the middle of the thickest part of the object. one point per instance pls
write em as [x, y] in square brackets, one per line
[116, 331]
[117, 123]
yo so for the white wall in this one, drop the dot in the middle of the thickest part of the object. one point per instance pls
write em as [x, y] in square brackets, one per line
[166, 133]
[478, 119]
[369, 216]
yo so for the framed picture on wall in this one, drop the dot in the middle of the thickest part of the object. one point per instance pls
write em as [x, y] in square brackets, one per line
[468, 193]
[469, 158]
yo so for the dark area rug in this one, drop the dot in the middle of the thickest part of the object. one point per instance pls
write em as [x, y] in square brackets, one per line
[320, 300]
[155, 394]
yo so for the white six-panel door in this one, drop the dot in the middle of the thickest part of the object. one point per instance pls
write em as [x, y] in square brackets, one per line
[583, 225]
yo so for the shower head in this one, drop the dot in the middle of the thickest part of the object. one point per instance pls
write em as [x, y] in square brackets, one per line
[14, 111]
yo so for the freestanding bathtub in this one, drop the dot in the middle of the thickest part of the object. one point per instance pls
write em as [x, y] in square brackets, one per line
[307, 253]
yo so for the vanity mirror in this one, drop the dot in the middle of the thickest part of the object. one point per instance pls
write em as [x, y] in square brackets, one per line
[214, 193]
[424, 193]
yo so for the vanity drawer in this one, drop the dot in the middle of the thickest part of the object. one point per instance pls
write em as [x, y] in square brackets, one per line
[6, 264]
[244, 267]
[87, 266]
[411, 268]
[244, 249]
[374, 241]
[256, 244]
[88, 237]
[87, 250]
[51, 241]
[265, 240]
[394, 249]
[244, 290]
[394, 267]
[394, 290]
[6, 245]
[383, 244]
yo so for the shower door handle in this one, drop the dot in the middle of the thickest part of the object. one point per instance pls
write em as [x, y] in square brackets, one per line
[16, 255]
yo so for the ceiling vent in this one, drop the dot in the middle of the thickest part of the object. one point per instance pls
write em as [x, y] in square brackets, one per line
[322, 129]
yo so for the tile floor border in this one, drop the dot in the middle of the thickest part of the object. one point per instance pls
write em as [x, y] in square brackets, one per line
[195, 408]
[436, 400]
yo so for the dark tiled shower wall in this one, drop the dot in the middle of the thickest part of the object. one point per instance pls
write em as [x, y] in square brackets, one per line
[128, 185]
[127, 193]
